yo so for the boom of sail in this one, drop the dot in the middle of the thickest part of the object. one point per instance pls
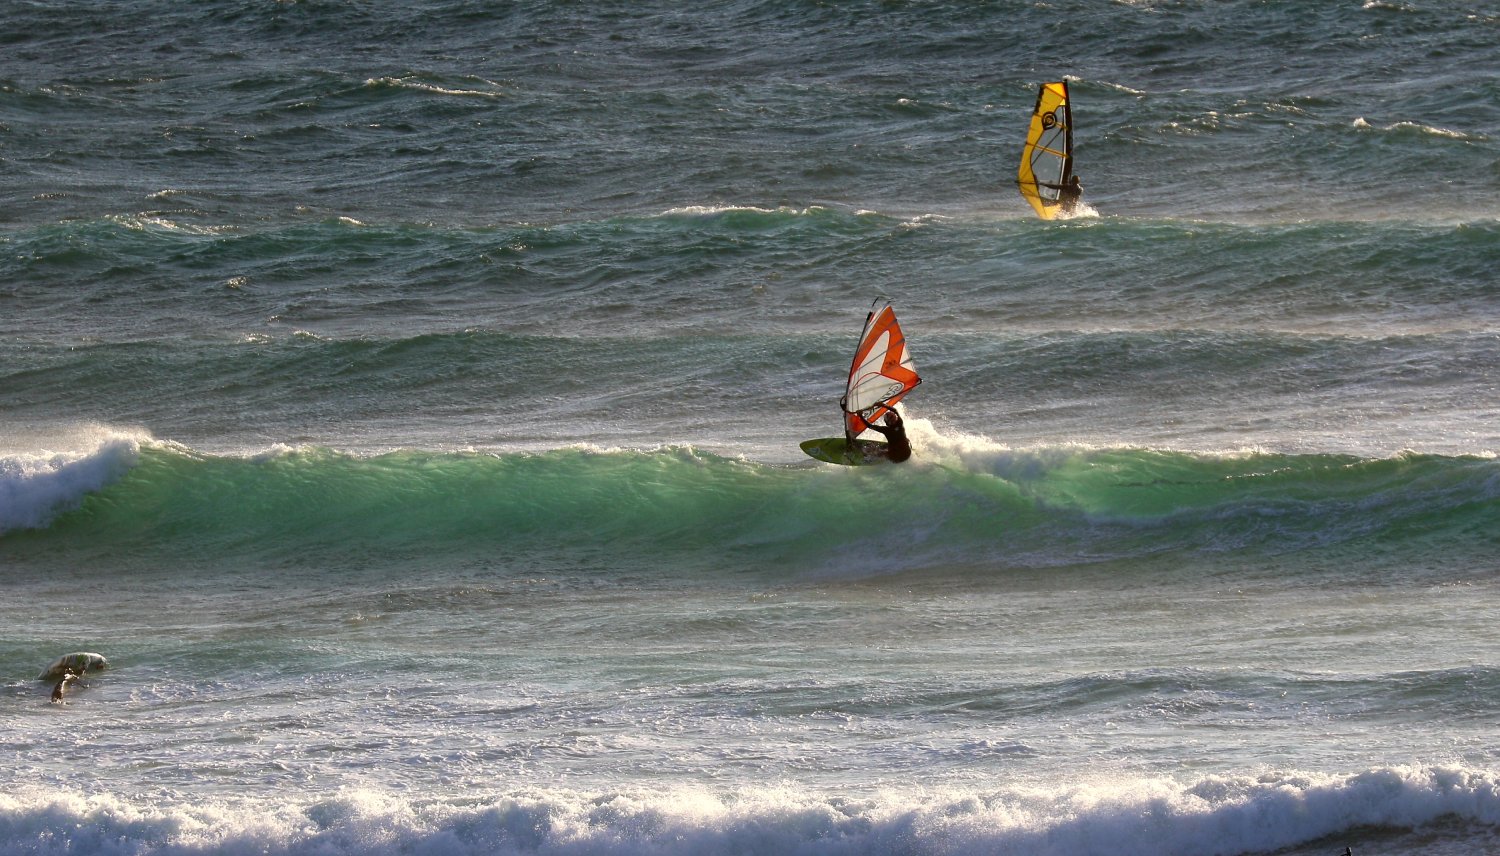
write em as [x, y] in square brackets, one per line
[1047, 157]
[881, 374]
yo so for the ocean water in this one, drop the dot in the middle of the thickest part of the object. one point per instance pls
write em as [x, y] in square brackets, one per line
[405, 399]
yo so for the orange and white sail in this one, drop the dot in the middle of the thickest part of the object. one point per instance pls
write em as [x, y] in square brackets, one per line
[882, 372]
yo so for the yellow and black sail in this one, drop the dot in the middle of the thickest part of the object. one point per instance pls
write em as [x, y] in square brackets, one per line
[1047, 158]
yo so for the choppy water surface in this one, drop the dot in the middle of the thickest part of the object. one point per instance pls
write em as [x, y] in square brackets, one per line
[406, 402]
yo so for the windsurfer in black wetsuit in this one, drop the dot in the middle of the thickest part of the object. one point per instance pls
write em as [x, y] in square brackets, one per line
[898, 448]
[1069, 193]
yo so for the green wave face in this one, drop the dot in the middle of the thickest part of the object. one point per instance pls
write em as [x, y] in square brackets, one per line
[681, 511]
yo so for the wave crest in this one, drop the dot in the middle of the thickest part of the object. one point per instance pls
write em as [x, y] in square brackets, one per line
[37, 485]
[964, 502]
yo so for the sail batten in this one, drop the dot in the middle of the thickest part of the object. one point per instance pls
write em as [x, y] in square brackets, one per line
[1047, 157]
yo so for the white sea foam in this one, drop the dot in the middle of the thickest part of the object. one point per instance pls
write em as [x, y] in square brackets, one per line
[1418, 128]
[42, 475]
[715, 210]
[494, 90]
[153, 222]
[1147, 817]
